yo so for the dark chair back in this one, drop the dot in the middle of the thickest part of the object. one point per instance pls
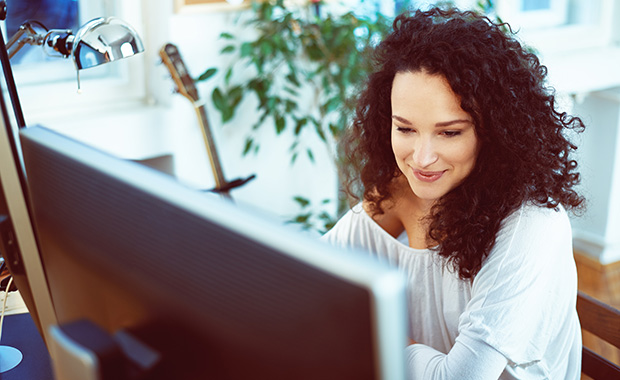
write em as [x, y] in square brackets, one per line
[603, 321]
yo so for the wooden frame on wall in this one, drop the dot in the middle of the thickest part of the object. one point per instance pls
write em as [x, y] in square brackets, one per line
[191, 6]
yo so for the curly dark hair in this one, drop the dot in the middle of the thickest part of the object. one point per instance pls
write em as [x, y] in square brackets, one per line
[525, 150]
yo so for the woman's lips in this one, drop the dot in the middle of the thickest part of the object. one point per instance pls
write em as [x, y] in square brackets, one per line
[426, 176]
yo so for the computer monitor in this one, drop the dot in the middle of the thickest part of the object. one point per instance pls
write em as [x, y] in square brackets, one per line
[18, 245]
[207, 289]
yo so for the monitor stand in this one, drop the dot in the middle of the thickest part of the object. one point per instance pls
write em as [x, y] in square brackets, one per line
[81, 350]
[10, 357]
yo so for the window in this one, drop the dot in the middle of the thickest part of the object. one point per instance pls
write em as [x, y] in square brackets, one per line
[58, 14]
[560, 25]
[31, 64]
[536, 13]
[47, 84]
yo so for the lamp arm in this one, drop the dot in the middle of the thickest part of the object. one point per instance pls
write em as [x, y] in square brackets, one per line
[58, 41]
[26, 34]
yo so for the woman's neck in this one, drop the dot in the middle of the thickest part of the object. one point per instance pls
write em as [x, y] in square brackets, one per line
[404, 211]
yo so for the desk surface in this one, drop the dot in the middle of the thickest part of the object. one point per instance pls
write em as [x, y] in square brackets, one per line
[14, 304]
[20, 332]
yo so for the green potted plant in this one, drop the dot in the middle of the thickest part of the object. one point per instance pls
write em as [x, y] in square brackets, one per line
[306, 69]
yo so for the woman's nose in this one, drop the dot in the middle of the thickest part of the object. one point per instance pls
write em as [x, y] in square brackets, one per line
[424, 153]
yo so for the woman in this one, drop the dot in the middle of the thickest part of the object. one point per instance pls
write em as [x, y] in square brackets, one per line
[466, 174]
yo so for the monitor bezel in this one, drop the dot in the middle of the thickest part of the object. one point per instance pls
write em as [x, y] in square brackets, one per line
[385, 284]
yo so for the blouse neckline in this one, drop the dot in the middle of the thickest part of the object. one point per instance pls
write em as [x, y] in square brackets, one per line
[400, 241]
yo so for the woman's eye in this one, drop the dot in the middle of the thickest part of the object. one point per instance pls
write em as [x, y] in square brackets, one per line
[451, 133]
[404, 130]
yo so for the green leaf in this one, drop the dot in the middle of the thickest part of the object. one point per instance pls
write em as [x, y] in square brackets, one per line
[236, 95]
[310, 155]
[293, 146]
[218, 99]
[271, 103]
[235, 92]
[326, 82]
[334, 129]
[300, 124]
[280, 43]
[280, 124]
[314, 53]
[246, 49]
[266, 48]
[248, 145]
[325, 216]
[289, 106]
[292, 78]
[333, 104]
[319, 131]
[227, 114]
[206, 75]
[267, 12]
[291, 91]
[303, 202]
[228, 49]
[228, 75]
[329, 226]
[262, 118]
[302, 219]
[227, 36]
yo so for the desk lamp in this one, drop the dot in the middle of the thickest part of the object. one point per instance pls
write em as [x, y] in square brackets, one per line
[99, 41]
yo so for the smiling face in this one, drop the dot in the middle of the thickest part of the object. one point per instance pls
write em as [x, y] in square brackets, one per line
[433, 138]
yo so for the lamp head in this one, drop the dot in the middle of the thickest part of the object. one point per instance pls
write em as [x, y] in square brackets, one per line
[104, 40]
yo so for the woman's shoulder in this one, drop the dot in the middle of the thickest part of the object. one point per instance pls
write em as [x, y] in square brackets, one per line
[354, 219]
[387, 217]
[535, 243]
[533, 217]
[532, 229]
[357, 228]
[360, 215]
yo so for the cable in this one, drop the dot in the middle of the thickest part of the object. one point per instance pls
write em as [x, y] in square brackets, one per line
[36, 22]
[6, 295]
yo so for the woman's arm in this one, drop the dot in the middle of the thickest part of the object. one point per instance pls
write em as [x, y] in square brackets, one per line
[468, 359]
[522, 309]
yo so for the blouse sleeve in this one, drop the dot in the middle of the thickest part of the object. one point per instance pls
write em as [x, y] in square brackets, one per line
[522, 302]
[523, 298]
[468, 359]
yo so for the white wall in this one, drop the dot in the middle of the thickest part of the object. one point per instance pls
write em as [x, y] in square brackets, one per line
[197, 36]
[166, 122]
[584, 67]
[583, 63]
[598, 230]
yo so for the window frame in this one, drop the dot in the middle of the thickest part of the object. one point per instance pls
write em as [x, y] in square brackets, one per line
[121, 82]
[554, 37]
[555, 15]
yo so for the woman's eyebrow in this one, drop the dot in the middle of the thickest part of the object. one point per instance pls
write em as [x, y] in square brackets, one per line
[401, 120]
[452, 122]
[439, 124]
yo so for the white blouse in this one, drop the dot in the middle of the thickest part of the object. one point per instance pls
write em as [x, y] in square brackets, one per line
[517, 318]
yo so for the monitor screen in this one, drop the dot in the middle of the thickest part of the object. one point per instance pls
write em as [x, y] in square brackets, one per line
[216, 291]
